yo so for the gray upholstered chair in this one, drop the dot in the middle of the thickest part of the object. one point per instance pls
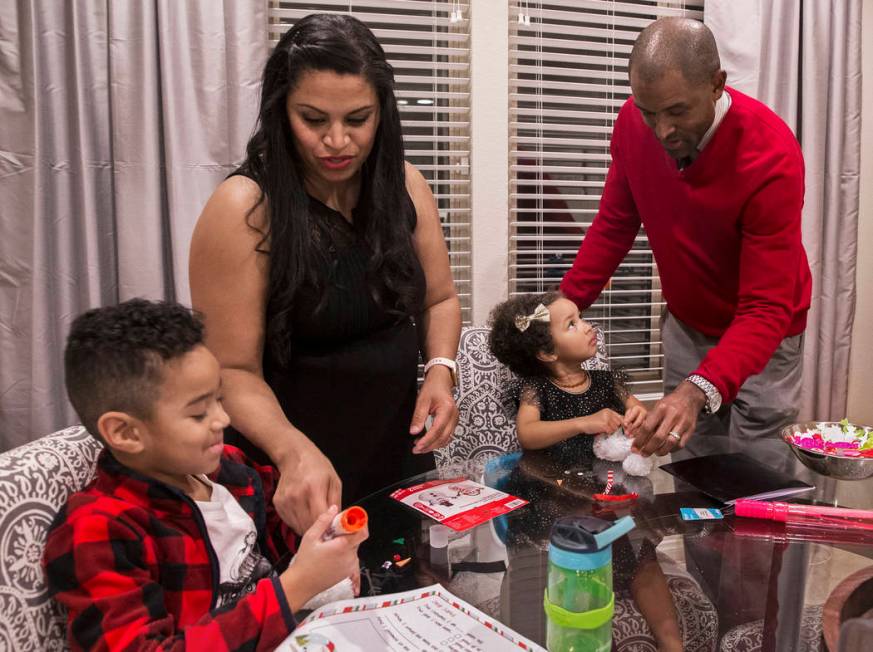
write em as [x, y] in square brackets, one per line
[486, 402]
[697, 617]
[749, 637]
[35, 481]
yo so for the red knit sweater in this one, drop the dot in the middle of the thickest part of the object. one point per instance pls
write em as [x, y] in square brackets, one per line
[725, 233]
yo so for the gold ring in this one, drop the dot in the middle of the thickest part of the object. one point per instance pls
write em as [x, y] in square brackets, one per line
[675, 435]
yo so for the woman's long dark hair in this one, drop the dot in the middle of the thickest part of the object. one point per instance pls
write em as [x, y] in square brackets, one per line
[384, 214]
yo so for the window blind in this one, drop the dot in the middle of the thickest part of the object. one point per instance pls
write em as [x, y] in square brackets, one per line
[568, 79]
[428, 44]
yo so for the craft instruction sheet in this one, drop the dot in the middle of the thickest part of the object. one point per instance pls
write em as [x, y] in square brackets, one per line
[423, 619]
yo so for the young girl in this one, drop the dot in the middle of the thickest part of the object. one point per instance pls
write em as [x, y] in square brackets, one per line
[544, 340]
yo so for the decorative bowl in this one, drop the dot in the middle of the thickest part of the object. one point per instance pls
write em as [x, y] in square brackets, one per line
[830, 464]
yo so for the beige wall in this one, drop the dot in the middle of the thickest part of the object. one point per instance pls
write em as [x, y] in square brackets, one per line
[860, 407]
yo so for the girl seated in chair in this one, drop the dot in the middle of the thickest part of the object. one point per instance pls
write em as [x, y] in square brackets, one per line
[544, 341]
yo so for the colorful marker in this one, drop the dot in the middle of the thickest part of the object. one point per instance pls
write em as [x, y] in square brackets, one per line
[808, 515]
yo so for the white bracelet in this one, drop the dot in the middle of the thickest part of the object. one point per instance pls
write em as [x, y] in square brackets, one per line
[445, 362]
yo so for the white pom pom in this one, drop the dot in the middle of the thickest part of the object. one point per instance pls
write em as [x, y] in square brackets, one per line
[614, 447]
[636, 464]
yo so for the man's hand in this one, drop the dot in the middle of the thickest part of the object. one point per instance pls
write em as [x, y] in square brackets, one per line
[308, 484]
[434, 398]
[677, 412]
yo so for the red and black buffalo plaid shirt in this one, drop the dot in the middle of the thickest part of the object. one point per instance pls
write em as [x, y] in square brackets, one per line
[130, 559]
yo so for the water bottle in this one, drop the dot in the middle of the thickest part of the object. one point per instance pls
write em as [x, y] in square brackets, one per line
[579, 600]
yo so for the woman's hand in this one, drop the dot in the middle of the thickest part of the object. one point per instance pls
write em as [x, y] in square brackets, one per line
[308, 483]
[435, 398]
[318, 565]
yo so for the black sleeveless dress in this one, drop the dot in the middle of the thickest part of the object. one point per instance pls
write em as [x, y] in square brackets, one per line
[350, 380]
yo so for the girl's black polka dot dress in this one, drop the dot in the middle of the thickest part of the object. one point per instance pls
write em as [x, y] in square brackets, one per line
[556, 404]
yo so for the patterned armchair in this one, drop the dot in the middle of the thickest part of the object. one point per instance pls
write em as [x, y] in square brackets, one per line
[749, 637]
[486, 401]
[35, 481]
[697, 617]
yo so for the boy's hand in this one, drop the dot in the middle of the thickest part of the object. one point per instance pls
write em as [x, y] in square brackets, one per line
[318, 565]
[604, 421]
[633, 418]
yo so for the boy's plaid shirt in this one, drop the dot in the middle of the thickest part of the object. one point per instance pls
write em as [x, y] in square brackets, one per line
[130, 559]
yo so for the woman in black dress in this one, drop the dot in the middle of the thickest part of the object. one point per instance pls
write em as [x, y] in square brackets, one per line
[321, 271]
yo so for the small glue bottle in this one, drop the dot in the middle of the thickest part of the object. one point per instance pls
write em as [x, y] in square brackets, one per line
[347, 521]
[439, 550]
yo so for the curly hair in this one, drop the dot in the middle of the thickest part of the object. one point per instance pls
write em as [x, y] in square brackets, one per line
[514, 348]
[115, 356]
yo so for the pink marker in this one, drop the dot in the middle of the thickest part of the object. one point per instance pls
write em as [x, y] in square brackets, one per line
[347, 521]
[809, 515]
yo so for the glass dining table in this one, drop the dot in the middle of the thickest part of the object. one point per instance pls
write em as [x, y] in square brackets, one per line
[730, 584]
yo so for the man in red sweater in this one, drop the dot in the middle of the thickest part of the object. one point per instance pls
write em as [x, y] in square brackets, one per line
[716, 178]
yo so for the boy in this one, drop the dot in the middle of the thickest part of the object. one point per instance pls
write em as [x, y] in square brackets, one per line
[153, 553]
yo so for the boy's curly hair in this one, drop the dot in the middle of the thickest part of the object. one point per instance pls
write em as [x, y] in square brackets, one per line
[115, 356]
[518, 350]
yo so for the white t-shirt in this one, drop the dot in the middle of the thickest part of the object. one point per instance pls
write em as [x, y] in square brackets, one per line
[235, 540]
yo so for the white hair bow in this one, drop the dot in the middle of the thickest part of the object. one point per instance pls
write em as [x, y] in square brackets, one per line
[540, 313]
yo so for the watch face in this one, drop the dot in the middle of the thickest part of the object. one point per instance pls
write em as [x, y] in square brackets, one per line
[454, 369]
[713, 401]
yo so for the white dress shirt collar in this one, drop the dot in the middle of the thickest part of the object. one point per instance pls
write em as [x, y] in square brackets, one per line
[721, 108]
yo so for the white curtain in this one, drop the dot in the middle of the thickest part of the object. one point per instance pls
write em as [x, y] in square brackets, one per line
[117, 120]
[803, 59]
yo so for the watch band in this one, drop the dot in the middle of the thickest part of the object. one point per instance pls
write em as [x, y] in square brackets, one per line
[445, 362]
[713, 396]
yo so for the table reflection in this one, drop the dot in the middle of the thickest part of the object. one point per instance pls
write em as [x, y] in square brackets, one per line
[645, 602]
[679, 585]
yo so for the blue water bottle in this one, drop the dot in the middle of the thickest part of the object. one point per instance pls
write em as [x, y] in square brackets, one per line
[579, 601]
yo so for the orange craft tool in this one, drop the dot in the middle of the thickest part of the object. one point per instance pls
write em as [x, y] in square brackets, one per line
[347, 521]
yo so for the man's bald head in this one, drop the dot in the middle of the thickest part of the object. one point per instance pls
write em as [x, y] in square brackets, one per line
[680, 44]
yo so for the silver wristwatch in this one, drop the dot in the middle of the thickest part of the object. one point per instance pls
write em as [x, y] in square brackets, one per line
[713, 397]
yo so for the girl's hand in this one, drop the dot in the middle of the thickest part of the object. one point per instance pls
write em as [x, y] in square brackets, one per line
[604, 421]
[633, 418]
[318, 565]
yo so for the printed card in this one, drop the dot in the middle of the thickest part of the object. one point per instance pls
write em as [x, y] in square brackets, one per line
[458, 503]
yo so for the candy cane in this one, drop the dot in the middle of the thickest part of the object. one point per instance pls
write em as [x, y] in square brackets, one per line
[610, 478]
[606, 498]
